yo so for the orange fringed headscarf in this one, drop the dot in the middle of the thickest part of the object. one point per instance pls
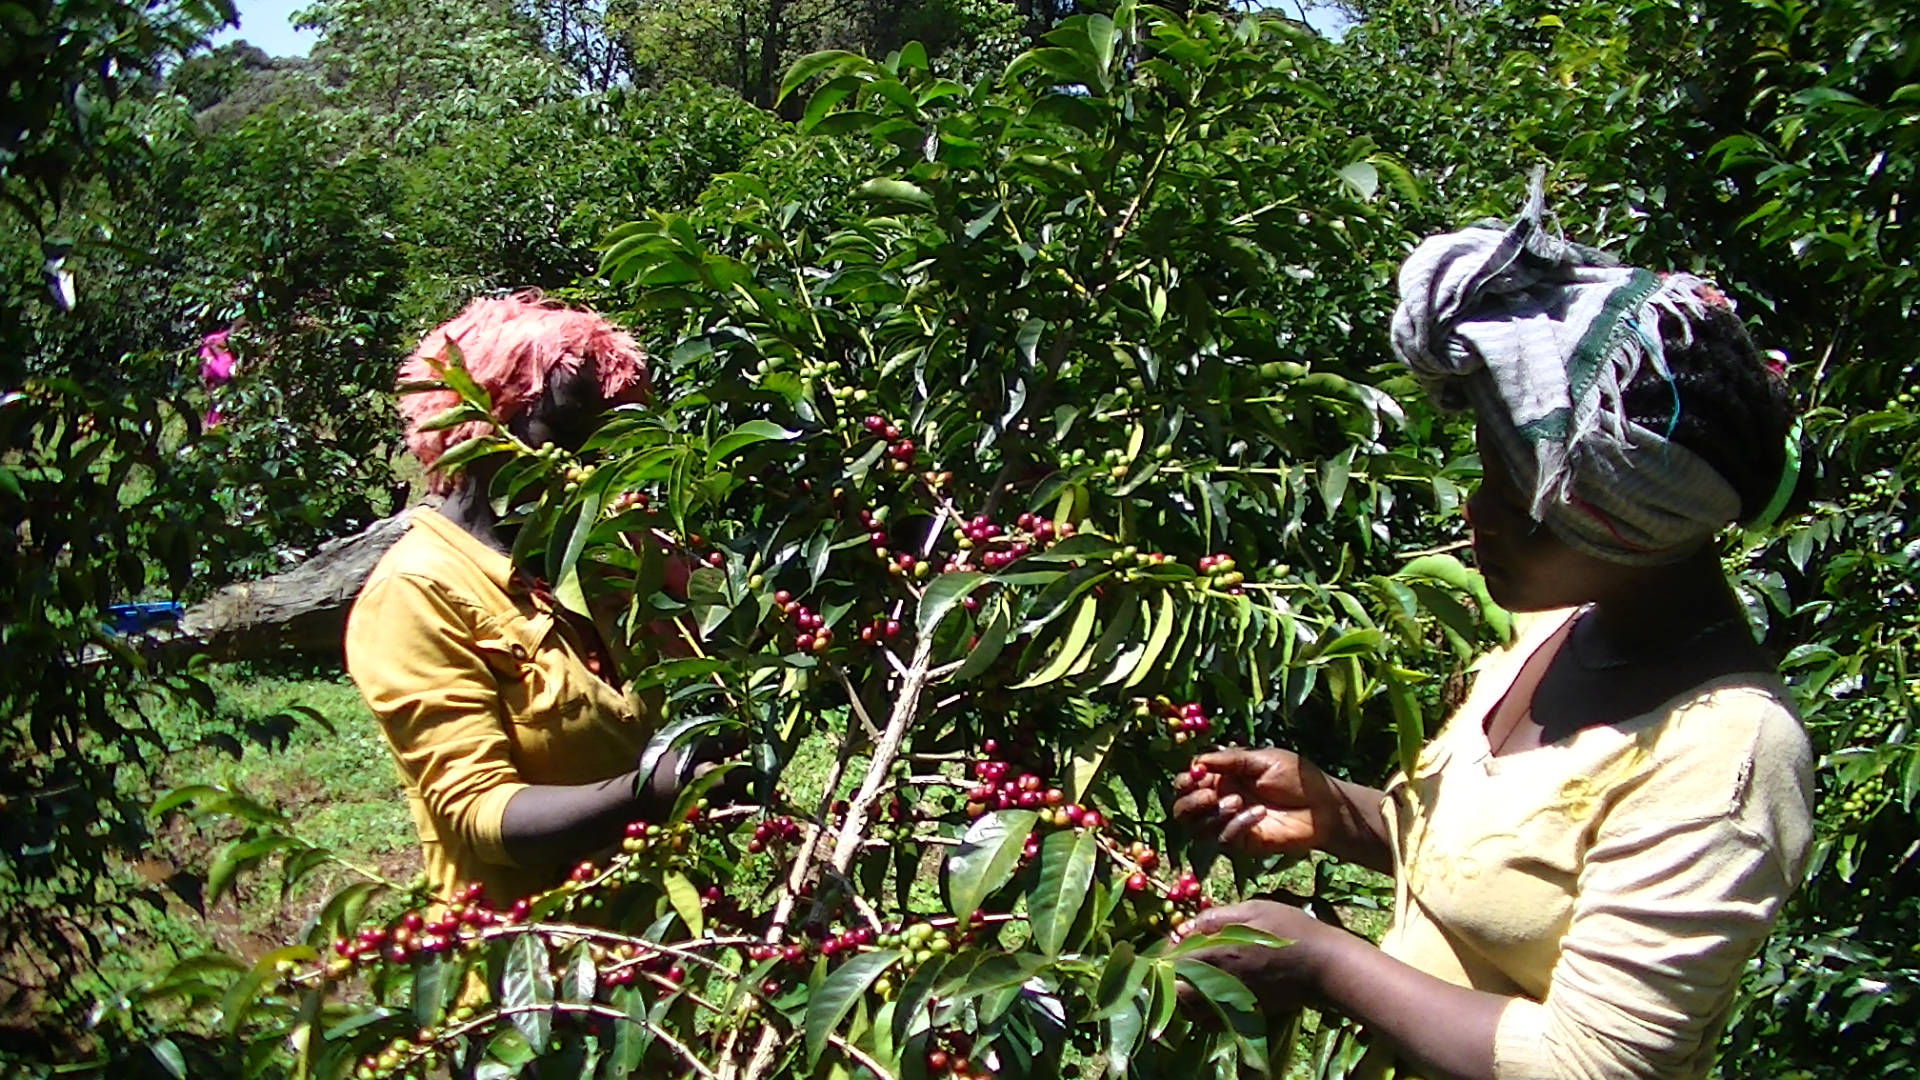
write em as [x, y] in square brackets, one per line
[510, 346]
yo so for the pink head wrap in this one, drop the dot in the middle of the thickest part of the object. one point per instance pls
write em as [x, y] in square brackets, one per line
[510, 346]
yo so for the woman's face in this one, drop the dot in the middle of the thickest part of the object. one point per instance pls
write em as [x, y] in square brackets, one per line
[570, 409]
[1526, 566]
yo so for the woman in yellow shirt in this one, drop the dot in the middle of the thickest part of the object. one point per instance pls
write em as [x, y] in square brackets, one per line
[1589, 852]
[519, 754]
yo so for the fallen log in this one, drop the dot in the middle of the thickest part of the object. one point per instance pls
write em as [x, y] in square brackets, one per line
[302, 610]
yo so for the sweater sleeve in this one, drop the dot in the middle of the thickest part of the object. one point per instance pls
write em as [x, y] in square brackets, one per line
[1670, 907]
[412, 650]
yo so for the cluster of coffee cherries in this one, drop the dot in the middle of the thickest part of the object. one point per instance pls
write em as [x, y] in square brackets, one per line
[642, 837]
[780, 830]
[628, 500]
[880, 630]
[796, 953]
[899, 564]
[922, 941]
[721, 908]
[405, 1053]
[1031, 532]
[811, 634]
[1218, 571]
[1184, 721]
[982, 530]
[997, 786]
[952, 1055]
[899, 448]
[1184, 900]
[413, 935]
[1146, 859]
[625, 963]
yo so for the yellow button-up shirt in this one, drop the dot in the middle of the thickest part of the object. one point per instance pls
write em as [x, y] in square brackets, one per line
[482, 689]
[1614, 882]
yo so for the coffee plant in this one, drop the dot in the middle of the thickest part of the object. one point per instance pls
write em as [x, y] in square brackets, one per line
[1006, 493]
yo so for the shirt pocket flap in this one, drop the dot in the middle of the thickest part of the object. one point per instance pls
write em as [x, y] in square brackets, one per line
[510, 645]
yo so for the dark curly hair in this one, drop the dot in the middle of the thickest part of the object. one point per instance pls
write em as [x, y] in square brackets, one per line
[1734, 411]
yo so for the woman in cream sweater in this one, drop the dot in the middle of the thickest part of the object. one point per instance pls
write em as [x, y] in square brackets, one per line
[1604, 832]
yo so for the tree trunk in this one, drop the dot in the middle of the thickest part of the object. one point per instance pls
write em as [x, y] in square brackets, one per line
[303, 610]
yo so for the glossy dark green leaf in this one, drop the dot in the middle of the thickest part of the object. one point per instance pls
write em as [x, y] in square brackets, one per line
[986, 858]
[942, 594]
[829, 1005]
[1067, 860]
[526, 988]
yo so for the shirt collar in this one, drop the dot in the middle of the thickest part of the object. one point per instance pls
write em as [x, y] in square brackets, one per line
[497, 567]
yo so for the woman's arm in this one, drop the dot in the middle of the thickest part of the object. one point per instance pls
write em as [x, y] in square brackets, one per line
[1447, 1030]
[548, 823]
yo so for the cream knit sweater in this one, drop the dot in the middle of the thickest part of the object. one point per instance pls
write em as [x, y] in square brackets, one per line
[1614, 883]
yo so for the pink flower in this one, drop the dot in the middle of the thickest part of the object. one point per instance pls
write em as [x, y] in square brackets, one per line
[211, 420]
[216, 362]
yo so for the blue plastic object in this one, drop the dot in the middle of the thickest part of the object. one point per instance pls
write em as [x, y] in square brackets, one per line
[138, 618]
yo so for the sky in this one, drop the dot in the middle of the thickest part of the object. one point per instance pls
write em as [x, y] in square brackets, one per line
[268, 25]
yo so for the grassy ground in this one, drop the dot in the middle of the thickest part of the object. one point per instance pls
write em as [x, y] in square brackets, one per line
[300, 741]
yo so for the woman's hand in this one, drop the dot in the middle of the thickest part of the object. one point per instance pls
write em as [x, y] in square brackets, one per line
[1283, 980]
[676, 767]
[1270, 802]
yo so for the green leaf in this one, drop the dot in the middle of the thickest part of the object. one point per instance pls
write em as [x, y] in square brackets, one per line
[1236, 934]
[631, 1036]
[240, 998]
[526, 987]
[453, 371]
[1409, 726]
[1352, 643]
[581, 977]
[747, 434]
[168, 1055]
[462, 413]
[1163, 999]
[1089, 754]
[673, 735]
[1066, 876]
[1125, 1025]
[899, 191]
[818, 63]
[430, 987]
[1235, 1004]
[1121, 978]
[685, 899]
[1333, 480]
[986, 859]
[1070, 646]
[910, 1012]
[829, 1004]
[993, 640]
[942, 594]
[1362, 177]
[468, 452]
[1156, 642]
[242, 855]
[1443, 568]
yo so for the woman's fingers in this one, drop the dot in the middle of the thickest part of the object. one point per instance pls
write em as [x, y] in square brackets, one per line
[1200, 802]
[1239, 828]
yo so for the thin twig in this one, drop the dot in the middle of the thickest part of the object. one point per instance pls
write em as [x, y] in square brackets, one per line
[1443, 549]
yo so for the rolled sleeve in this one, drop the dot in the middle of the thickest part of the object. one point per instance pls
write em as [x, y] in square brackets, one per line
[411, 651]
[1666, 917]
